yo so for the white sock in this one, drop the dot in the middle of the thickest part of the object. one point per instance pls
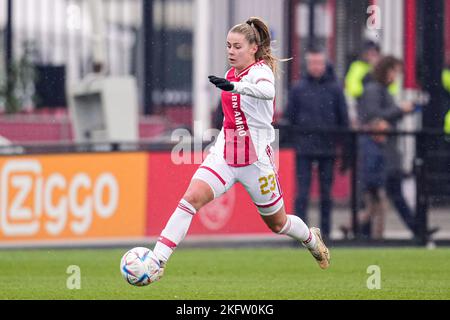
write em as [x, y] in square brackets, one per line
[297, 229]
[175, 230]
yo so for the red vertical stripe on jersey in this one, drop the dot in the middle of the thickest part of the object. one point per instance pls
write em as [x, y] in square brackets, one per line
[247, 149]
[235, 144]
[239, 149]
[225, 137]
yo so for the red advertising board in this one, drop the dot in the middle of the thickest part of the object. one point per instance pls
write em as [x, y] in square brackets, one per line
[233, 213]
[90, 197]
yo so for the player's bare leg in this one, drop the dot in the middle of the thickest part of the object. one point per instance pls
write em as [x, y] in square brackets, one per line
[197, 195]
[294, 227]
[378, 214]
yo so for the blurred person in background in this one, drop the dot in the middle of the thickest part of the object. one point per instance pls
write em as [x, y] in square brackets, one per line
[317, 103]
[360, 73]
[380, 162]
[360, 68]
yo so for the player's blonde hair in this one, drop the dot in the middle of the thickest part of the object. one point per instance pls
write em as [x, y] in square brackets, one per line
[256, 31]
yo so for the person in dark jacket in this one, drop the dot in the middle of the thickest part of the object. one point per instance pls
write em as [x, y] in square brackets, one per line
[380, 158]
[317, 103]
[381, 171]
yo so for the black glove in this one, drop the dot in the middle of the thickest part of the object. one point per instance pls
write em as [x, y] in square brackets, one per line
[221, 83]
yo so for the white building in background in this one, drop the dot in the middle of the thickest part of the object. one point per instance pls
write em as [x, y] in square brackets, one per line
[61, 33]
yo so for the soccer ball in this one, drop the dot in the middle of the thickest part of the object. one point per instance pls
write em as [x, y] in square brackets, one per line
[139, 266]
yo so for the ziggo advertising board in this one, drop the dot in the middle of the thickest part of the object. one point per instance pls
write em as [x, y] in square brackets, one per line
[114, 196]
[72, 197]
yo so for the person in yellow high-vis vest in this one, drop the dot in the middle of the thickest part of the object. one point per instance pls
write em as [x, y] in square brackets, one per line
[359, 71]
[446, 85]
[447, 123]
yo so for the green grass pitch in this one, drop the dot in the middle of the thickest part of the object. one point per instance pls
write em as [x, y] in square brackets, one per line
[240, 274]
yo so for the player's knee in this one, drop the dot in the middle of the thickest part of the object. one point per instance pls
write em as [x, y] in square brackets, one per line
[198, 194]
[276, 228]
[195, 199]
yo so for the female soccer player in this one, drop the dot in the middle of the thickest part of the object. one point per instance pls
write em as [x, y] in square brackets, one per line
[242, 152]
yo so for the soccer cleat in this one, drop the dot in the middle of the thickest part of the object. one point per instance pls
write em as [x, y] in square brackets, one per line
[162, 266]
[320, 252]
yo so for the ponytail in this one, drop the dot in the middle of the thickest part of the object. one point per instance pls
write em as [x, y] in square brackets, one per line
[264, 49]
[257, 31]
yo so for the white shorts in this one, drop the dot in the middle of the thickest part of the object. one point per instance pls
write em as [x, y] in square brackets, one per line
[259, 179]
